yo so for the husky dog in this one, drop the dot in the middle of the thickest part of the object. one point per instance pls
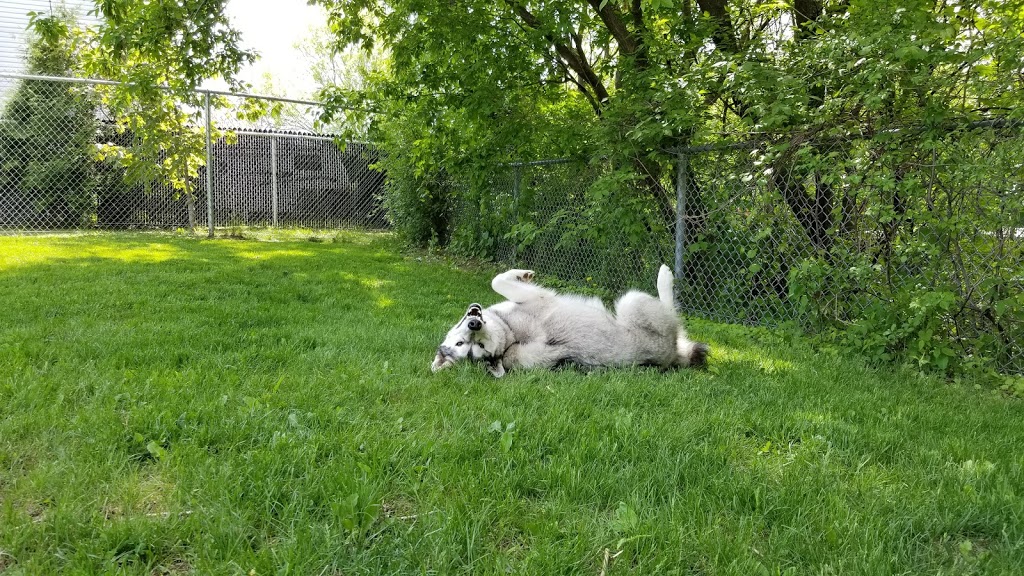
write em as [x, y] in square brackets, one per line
[539, 328]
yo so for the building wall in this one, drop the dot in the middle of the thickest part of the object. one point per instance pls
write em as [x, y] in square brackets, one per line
[14, 21]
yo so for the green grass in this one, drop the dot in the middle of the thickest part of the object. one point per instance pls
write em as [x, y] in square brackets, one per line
[171, 405]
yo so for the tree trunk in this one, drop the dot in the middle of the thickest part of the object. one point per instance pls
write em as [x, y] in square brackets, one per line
[814, 214]
[190, 203]
[651, 182]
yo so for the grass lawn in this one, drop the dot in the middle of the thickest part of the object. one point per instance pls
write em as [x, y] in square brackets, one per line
[171, 405]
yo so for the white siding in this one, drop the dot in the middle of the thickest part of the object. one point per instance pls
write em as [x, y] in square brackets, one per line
[14, 21]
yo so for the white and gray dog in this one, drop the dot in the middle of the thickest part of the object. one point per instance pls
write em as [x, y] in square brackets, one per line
[539, 328]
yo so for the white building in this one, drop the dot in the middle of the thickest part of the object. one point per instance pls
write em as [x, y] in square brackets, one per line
[14, 33]
[14, 19]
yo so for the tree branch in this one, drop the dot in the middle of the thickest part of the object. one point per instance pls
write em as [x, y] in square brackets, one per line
[629, 43]
[723, 35]
[580, 85]
[805, 11]
[572, 58]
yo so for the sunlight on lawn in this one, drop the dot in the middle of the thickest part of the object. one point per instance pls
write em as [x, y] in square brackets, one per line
[21, 253]
[257, 251]
[366, 281]
[374, 284]
[767, 364]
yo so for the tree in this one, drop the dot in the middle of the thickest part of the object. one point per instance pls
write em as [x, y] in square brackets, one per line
[161, 52]
[633, 80]
[345, 70]
[47, 138]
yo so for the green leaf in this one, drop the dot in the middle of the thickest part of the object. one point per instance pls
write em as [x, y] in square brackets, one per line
[156, 450]
[965, 547]
[507, 437]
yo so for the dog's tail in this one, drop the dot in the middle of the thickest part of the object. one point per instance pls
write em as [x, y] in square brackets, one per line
[688, 353]
[665, 282]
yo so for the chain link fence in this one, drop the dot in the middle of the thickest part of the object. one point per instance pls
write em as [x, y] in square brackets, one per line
[908, 242]
[551, 216]
[60, 169]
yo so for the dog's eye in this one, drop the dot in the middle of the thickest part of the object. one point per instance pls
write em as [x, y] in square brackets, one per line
[459, 343]
[480, 344]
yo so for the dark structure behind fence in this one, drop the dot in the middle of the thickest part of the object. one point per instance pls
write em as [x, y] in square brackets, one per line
[50, 177]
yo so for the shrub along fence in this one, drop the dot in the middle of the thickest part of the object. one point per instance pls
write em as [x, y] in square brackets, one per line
[907, 243]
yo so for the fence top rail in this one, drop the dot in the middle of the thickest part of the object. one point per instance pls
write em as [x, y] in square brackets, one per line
[96, 81]
[287, 135]
[298, 136]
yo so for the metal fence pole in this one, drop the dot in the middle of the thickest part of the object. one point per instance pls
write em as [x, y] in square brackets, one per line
[209, 169]
[682, 175]
[517, 179]
[273, 178]
[517, 190]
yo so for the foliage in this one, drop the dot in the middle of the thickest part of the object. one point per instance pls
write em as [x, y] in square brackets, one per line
[47, 137]
[160, 52]
[334, 70]
[850, 102]
[515, 80]
[921, 260]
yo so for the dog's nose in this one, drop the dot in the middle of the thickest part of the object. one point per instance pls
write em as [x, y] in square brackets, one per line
[475, 324]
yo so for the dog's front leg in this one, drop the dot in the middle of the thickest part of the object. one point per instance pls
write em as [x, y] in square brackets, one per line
[536, 354]
[516, 285]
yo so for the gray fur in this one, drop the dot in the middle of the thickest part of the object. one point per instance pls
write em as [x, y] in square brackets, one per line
[539, 328]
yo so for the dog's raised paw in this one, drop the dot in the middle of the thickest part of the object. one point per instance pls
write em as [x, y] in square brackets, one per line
[525, 276]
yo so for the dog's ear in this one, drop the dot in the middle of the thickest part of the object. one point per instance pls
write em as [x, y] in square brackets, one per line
[495, 367]
[475, 310]
[440, 362]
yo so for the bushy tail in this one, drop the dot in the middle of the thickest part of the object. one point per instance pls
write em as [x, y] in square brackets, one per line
[689, 353]
[665, 282]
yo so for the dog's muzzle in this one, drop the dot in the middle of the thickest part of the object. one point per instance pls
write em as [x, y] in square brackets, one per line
[475, 324]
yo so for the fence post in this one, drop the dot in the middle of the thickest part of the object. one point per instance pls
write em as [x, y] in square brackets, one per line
[682, 176]
[273, 177]
[517, 189]
[209, 169]
[517, 181]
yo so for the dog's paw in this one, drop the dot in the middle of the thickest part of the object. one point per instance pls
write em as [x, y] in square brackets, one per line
[525, 276]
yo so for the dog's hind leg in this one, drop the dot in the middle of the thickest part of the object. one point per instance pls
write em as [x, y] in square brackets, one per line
[688, 353]
[638, 311]
[517, 286]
